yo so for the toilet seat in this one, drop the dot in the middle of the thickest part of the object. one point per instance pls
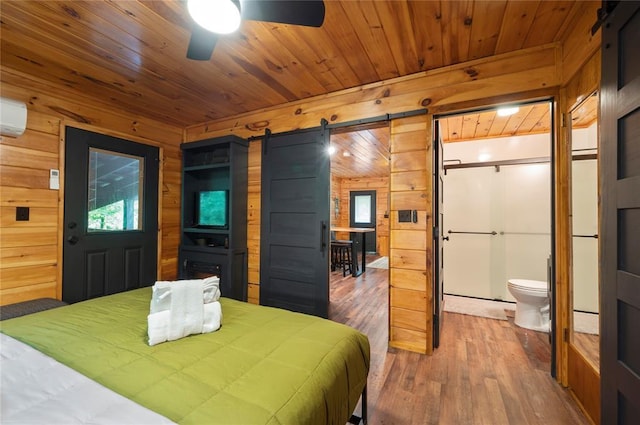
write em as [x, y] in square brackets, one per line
[529, 285]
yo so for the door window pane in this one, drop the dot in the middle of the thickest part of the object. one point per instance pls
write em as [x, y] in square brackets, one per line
[115, 191]
[362, 209]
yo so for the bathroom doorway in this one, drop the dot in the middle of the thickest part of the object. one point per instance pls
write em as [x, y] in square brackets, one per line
[498, 203]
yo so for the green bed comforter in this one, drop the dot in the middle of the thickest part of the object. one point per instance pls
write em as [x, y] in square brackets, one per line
[264, 366]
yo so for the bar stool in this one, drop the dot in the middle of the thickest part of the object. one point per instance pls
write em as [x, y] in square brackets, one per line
[341, 256]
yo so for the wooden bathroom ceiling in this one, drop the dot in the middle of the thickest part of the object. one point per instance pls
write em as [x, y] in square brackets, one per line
[530, 119]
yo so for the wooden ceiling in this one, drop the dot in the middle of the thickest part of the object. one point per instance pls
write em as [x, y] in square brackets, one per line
[130, 55]
[367, 151]
[361, 153]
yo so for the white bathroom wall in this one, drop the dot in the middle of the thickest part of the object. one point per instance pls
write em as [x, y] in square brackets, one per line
[514, 202]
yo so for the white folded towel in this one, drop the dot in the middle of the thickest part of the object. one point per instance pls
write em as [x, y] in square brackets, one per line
[161, 298]
[159, 322]
[187, 309]
[183, 308]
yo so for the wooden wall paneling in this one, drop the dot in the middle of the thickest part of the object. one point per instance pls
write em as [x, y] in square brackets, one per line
[410, 300]
[585, 384]
[24, 181]
[253, 220]
[563, 241]
[17, 256]
[30, 292]
[407, 278]
[409, 319]
[411, 285]
[578, 45]
[381, 186]
[28, 249]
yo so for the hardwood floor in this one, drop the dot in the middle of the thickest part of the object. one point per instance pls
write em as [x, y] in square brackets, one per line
[486, 371]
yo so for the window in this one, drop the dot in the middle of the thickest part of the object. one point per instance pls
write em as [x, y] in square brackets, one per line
[362, 209]
[115, 191]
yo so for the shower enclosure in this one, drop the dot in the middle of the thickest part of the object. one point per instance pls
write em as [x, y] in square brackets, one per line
[497, 215]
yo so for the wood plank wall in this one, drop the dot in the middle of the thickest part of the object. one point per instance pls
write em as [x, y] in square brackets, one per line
[31, 251]
[411, 291]
[381, 186]
[253, 220]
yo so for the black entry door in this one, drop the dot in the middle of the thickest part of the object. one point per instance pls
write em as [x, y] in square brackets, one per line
[620, 216]
[438, 236]
[362, 213]
[110, 217]
[294, 260]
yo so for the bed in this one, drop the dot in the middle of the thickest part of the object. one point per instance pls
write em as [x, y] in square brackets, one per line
[264, 365]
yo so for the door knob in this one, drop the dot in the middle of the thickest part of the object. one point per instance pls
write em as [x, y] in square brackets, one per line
[73, 239]
[446, 238]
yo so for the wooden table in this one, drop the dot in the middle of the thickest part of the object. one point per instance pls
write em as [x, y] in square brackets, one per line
[355, 271]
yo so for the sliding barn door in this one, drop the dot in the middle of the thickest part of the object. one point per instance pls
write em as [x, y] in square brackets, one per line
[294, 263]
[620, 245]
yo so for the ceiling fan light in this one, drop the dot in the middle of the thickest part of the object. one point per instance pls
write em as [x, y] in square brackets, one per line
[219, 16]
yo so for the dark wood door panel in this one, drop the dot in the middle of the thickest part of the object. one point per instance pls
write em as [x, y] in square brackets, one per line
[294, 263]
[620, 220]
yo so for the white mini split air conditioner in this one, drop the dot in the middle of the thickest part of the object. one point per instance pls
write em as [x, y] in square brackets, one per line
[13, 117]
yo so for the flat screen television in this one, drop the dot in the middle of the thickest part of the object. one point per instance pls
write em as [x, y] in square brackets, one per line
[212, 209]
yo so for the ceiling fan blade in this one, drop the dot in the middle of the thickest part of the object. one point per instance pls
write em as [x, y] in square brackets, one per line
[309, 13]
[201, 44]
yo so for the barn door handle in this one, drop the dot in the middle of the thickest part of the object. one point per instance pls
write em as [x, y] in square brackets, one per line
[323, 235]
[73, 239]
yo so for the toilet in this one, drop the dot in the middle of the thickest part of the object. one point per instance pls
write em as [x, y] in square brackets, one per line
[532, 303]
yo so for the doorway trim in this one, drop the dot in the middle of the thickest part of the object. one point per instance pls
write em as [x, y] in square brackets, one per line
[555, 330]
[61, 192]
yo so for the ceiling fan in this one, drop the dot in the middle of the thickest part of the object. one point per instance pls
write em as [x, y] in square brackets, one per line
[216, 17]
